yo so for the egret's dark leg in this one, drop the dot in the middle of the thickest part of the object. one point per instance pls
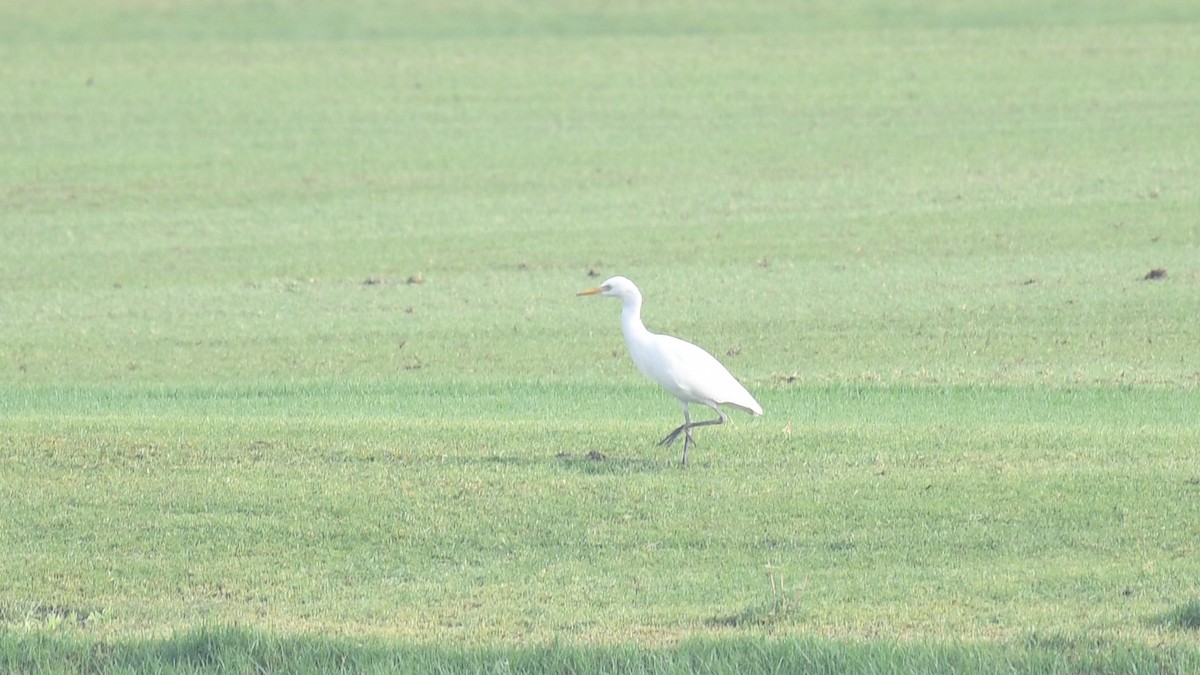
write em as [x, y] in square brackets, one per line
[686, 430]
[687, 421]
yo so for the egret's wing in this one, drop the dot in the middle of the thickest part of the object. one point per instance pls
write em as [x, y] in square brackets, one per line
[691, 374]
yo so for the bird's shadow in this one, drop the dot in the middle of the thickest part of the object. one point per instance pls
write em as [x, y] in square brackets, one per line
[597, 462]
[589, 462]
[1183, 617]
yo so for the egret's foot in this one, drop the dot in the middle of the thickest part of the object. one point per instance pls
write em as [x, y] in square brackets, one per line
[688, 441]
[671, 437]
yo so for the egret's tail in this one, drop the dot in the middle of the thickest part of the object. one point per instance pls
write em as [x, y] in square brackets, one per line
[748, 405]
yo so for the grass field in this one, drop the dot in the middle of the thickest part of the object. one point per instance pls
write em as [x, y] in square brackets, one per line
[293, 376]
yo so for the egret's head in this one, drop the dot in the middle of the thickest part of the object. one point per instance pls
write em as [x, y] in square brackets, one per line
[618, 287]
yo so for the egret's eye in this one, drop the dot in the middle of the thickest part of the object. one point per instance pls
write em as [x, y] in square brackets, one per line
[607, 287]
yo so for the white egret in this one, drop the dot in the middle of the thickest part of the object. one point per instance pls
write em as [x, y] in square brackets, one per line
[688, 372]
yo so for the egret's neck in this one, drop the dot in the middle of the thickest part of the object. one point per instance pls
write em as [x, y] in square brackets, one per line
[631, 317]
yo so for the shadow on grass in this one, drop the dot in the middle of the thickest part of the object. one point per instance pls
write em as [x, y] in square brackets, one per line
[253, 651]
[596, 462]
[1185, 617]
[590, 462]
[755, 617]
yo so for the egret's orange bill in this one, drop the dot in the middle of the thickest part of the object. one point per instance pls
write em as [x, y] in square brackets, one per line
[590, 291]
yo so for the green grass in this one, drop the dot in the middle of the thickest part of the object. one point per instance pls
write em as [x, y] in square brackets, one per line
[293, 377]
[230, 650]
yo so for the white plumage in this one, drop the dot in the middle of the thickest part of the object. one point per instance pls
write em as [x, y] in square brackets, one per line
[688, 372]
